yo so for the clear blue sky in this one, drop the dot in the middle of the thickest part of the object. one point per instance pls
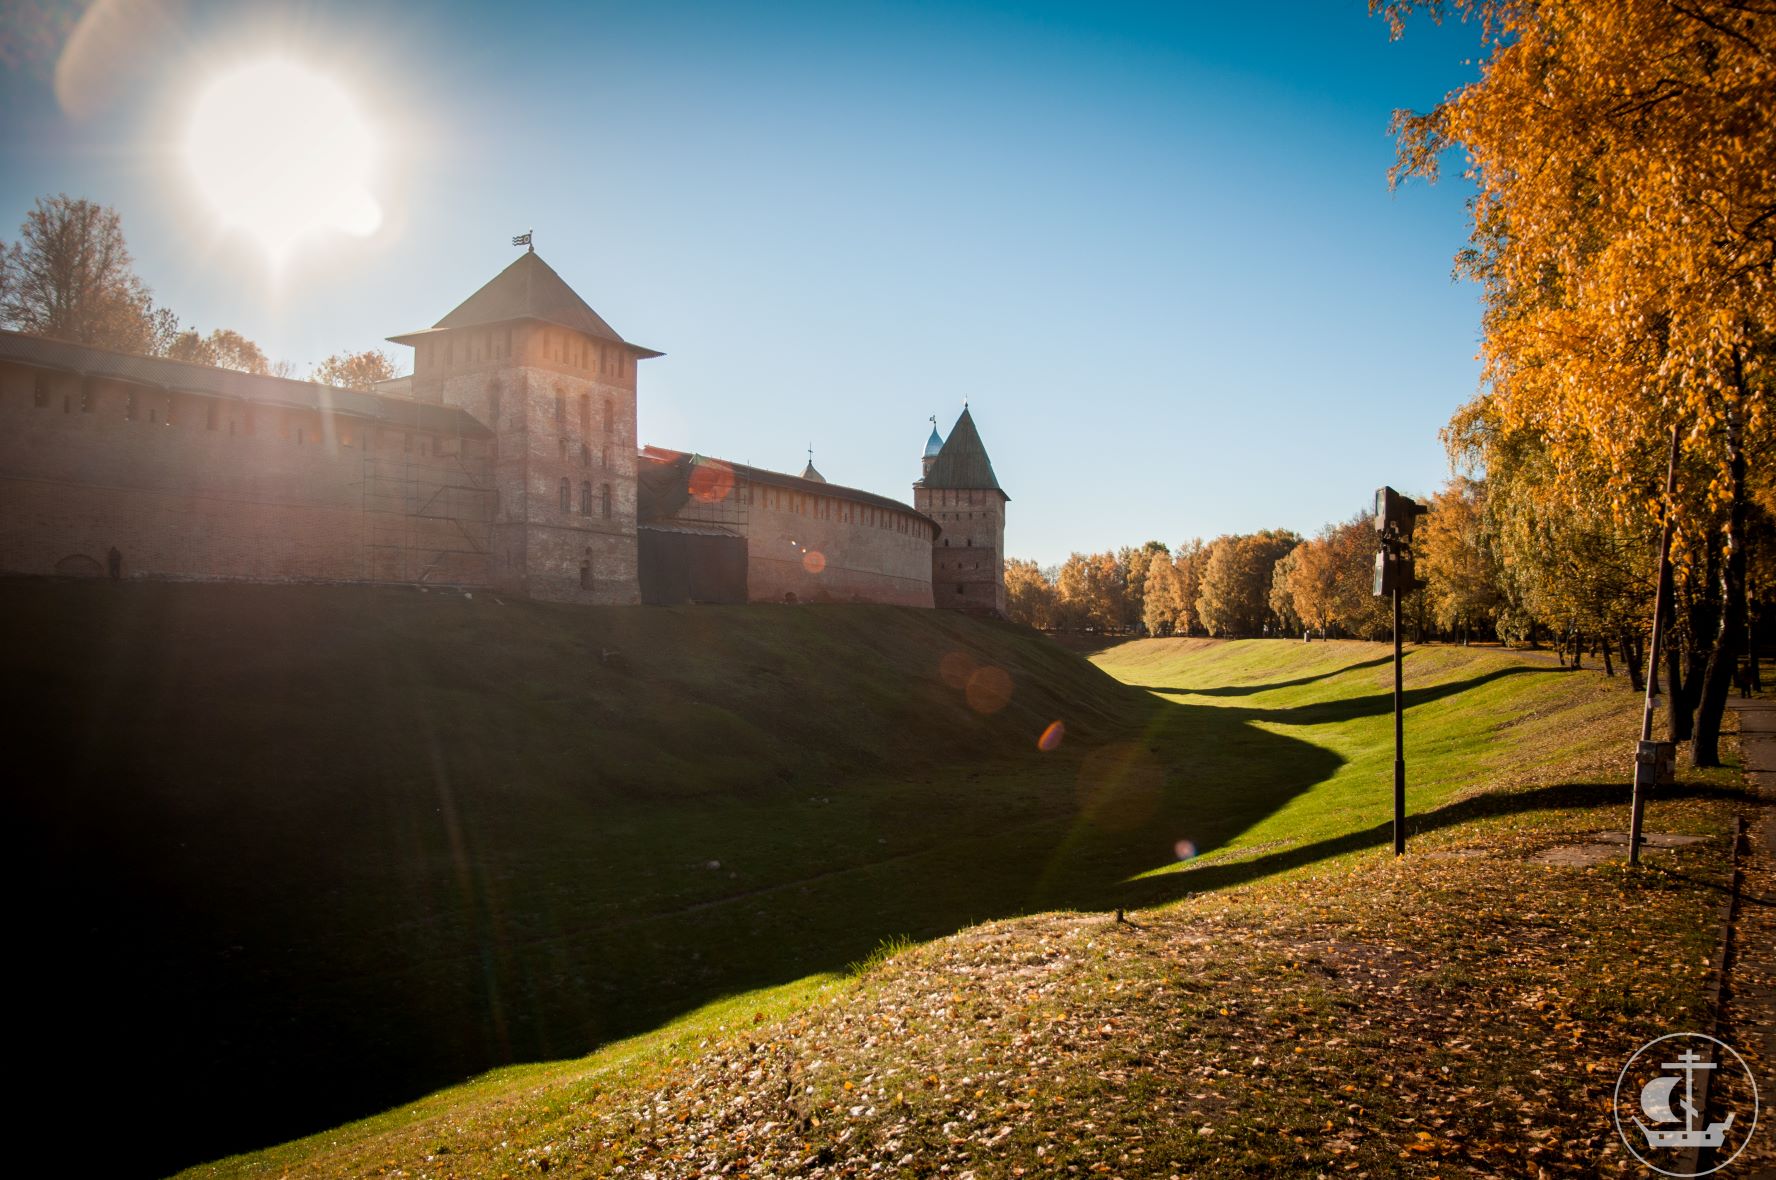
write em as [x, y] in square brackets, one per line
[1152, 246]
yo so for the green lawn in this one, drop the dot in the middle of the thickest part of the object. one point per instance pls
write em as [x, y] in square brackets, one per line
[1272, 759]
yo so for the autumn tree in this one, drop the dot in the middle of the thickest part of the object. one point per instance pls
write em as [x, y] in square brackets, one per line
[1029, 596]
[1188, 562]
[224, 348]
[1312, 578]
[1282, 596]
[1136, 563]
[1090, 589]
[1457, 558]
[1234, 598]
[1162, 606]
[1625, 239]
[355, 370]
[70, 276]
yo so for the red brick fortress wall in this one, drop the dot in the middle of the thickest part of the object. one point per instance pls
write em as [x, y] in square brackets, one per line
[188, 486]
[824, 549]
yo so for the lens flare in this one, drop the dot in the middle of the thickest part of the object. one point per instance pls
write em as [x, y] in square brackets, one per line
[1185, 849]
[1051, 737]
[989, 690]
[814, 561]
[712, 481]
[955, 668]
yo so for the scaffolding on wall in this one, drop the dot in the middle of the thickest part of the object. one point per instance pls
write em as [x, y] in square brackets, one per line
[427, 519]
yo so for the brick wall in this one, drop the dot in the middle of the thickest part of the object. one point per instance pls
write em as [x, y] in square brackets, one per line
[195, 487]
[968, 561]
[562, 407]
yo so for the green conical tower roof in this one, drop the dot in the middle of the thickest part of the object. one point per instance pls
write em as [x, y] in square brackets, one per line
[963, 462]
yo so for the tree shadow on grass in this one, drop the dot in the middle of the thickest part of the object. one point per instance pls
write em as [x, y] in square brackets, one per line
[1380, 703]
[1242, 690]
[1208, 878]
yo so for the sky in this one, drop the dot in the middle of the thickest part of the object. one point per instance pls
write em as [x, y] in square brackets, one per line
[1152, 247]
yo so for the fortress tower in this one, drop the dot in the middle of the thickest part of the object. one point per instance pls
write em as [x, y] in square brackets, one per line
[555, 384]
[961, 493]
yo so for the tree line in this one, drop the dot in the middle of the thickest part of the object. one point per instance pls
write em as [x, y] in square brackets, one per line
[70, 276]
[1624, 241]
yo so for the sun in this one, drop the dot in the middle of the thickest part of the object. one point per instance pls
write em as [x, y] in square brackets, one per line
[283, 153]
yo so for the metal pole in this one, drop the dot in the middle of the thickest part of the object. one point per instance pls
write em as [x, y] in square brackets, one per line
[1644, 769]
[1399, 741]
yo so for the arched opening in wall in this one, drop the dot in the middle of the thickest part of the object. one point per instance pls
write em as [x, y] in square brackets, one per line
[560, 406]
[789, 597]
[958, 587]
[604, 457]
[604, 499]
[566, 495]
[969, 542]
[585, 413]
[585, 498]
[562, 448]
[585, 455]
[79, 565]
[610, 414]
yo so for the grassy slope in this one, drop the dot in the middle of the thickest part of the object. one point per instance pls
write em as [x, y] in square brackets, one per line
[1334, 1009]
[296, 853]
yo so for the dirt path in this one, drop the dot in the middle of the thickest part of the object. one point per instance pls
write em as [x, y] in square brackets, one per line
[1749, 1017]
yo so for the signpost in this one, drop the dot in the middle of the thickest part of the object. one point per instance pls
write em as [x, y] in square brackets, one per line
[1394, 574]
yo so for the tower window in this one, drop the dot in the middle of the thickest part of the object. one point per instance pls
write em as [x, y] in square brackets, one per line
[561, 446]
[585, 412]
[604, 457]
[586, 498]
[566, 495]
[610, 415]
[604, 497]
[585, 455]
[560, 405]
